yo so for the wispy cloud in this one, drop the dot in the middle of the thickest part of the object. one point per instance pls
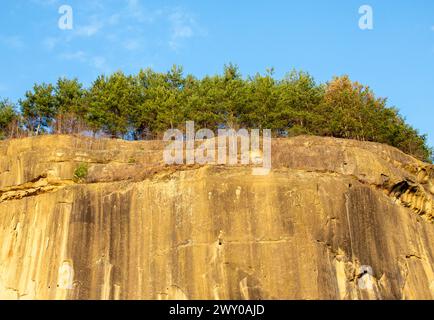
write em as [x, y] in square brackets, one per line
[183, 26]
[77, 56]
[131, 31]
[128, 26]
[134, 9]
[90, 29]
[132, 44]
[45, 2]
[100, 63]
[95, 61]
[12, 42]
[50, 42]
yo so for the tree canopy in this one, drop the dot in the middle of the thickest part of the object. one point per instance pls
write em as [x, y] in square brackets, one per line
[145, 105]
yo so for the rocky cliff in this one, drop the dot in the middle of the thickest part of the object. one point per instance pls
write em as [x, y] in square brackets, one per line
[335, 219]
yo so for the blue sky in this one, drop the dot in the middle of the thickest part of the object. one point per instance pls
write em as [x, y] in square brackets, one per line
[396, 58]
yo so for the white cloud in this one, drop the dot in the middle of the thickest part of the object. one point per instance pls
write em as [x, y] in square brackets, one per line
[12, 42]
[99, 63]
[94, 61]
[183, 26]
[131, 44]
[114, 19]
[132, 31]
[50, 43]
[89, 30]
[45, 2]
[77, 56]
[117, 27]
[127, 27]
[136, 11]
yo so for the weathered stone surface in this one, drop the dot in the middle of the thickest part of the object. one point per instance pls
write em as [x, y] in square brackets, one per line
[335, 219]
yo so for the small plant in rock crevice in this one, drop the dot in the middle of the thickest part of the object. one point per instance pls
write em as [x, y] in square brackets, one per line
[80, 173]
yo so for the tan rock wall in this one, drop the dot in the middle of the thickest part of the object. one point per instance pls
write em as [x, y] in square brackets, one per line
[333, 220]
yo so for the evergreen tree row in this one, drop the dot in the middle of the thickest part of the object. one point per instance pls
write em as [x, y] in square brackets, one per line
[145, 105]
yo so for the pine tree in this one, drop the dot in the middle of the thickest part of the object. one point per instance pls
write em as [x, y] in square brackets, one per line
[9, 120]
[39, 109]
[70, 109]
[146, 105]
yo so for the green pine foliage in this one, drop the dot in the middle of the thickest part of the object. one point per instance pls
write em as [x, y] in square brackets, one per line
[70, 109]
[38, 108]
[9, 119]
[145, 105]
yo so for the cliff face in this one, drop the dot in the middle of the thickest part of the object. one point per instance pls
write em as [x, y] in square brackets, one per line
[335, 219]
